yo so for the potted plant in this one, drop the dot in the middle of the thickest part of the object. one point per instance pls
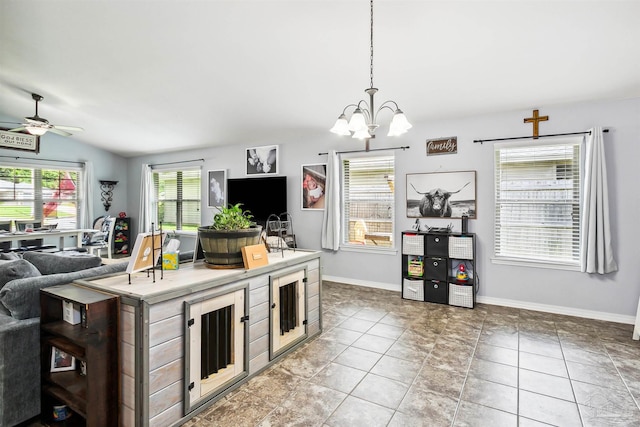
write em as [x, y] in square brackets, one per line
[222, 241]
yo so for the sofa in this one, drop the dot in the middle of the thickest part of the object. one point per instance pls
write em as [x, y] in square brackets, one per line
[21, 278]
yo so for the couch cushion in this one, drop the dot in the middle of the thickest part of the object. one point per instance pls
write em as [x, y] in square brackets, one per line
[17, 269]
[22, 296]
[62, 262]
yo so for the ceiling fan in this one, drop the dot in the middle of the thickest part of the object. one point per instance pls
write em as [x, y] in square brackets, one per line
[37, 125]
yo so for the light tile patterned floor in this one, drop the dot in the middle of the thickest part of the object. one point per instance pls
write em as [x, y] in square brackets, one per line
[384, 361]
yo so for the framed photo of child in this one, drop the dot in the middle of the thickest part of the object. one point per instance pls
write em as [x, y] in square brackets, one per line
[313, 186]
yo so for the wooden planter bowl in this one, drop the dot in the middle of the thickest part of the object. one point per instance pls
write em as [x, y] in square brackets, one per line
[223, 248]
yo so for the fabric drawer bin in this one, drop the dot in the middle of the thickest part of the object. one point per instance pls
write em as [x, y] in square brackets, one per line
[435, 291]
[413, 289]
[461, 295]
[435, 268]
[461, 247]
[413, 244]
[437, 245]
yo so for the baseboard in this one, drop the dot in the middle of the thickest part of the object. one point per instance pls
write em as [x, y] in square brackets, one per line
[556, 309]
[545, 308]
[365, 283]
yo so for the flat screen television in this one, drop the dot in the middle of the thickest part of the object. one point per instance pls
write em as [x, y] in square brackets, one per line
[261, 196]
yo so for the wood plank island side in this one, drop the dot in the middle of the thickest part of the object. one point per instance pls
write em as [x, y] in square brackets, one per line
[154, 314]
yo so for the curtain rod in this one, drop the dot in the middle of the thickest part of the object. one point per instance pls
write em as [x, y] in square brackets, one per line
[366, 151]
[42, 160]
[174, 163]
[539, 136]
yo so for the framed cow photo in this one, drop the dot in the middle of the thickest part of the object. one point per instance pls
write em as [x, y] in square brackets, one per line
[441, 195]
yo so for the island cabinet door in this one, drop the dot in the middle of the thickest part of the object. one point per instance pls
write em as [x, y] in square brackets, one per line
[216, 339]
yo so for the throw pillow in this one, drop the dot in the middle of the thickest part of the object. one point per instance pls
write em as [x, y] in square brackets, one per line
[10, 256]
[62, 262]
[17, 269]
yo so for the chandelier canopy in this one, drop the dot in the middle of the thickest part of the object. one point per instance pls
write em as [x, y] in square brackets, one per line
[364, 118]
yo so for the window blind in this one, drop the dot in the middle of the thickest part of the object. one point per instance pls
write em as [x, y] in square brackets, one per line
[537, 202]
[368, 201]
[178, 195]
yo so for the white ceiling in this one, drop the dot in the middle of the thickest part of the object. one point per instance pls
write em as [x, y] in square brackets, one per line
[165, 75]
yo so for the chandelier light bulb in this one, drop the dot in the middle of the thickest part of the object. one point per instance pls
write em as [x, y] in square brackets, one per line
[361, 134]
[357, 122]
[399, 124]
[341, 127]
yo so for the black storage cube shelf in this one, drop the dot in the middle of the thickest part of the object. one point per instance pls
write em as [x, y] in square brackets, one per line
[433, 258]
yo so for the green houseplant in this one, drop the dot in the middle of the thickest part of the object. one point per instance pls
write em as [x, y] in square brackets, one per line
[223, 240]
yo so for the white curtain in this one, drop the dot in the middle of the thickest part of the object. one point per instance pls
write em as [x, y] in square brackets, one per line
[86, 201]
[331, 218]
[148, 213]
[596, 250]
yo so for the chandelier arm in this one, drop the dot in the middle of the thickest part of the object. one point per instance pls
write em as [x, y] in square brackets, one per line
[344, 111]
[385, 106]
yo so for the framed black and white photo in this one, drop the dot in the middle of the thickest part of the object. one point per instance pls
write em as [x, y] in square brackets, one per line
[441, 195]
[313, 186]
[61, 361]
[262, 160]
[217, 188]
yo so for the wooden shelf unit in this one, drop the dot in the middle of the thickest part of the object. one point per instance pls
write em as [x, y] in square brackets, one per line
[91, 388]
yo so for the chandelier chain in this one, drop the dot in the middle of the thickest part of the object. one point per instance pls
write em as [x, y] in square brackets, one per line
[371, 55]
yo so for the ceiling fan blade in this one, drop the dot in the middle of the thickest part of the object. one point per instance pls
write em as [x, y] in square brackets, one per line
[59, 132]
[17, 129]
[11, 123]
[69, 128]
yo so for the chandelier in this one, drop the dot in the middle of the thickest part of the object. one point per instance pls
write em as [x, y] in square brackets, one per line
[363, 122]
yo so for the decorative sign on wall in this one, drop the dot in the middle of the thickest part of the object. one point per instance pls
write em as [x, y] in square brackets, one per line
[19, 141]
[442, 146]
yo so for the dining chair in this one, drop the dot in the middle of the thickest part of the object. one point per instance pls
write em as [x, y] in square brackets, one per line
[5, 226]
[102, 238]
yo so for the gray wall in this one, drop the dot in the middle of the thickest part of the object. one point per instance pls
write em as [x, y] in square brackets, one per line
[615, 295]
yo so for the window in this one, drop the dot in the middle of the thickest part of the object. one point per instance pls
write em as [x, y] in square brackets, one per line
[178, 198]
[537, 202]
[368, 201]
[46, 196]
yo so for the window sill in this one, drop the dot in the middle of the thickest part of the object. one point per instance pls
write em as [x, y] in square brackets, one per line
[534, 264]
[369, 249]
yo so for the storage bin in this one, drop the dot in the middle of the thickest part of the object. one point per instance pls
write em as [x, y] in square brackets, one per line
[413, 244]
[461, 295]
[435, 291]
[437, 245]
[413, 289]
[435, 268]
[461, 247]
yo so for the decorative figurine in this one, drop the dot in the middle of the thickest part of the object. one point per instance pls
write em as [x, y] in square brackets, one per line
[462, 273]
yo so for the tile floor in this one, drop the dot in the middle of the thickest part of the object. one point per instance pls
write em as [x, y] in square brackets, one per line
[384, 361]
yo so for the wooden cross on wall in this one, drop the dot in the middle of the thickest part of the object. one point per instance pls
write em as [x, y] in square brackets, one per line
[536, 120]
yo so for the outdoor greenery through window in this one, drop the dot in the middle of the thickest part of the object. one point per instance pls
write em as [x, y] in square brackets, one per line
[537, 195]
[178, 198]
[368, 201]
[47, 197]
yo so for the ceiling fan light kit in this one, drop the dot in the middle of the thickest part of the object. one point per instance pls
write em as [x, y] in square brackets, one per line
[363, 123]
[38, 126]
